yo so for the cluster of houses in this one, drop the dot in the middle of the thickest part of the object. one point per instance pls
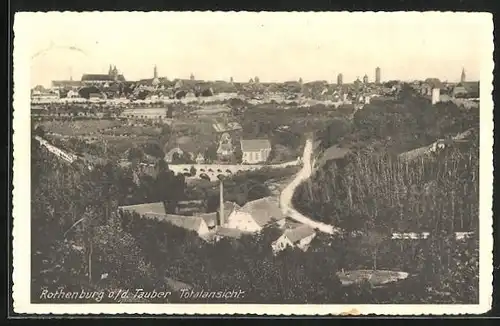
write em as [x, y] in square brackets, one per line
[253, 151]
[465, 93]
[232, 221]
[113, 85]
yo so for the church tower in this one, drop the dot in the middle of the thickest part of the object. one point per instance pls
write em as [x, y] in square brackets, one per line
[462, 78]
[155, 72]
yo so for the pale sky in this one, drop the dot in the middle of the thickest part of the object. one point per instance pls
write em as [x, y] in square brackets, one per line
[272, 46]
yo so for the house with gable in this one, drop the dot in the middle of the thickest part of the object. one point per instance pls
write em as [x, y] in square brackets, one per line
[255, 215]
[255, 150]
[300, 237]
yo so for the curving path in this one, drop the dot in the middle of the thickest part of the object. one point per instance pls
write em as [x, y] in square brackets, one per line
[287, 194]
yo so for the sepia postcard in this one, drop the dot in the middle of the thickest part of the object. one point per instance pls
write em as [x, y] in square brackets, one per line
[232, 163]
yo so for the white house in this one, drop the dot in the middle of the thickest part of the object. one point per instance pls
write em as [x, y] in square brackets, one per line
[255, 215]
[255, 150]
[436, 92]
[73, 94]
[200, 159]
[299, 237]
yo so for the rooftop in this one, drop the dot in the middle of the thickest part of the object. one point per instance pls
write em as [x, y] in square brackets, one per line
[264, 210]
[299, 233]
[155, 208]
[191, 223]
[255, 145]
[101, 77]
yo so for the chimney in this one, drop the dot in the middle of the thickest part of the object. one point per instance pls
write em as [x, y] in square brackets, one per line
[221, 204]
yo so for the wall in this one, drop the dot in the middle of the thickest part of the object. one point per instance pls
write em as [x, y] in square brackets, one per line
[242, 221]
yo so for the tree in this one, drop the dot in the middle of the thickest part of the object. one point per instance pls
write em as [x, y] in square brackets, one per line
[40, 131]
[153, 149]
[211, 153]
[135, 155]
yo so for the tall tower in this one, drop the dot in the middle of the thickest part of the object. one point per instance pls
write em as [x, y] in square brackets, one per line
[365, 79]
[462, 78]
[340, 78]
[377, 75]
[191, 77]
[155, 72]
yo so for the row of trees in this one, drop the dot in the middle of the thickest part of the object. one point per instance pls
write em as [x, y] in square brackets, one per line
[434, 194]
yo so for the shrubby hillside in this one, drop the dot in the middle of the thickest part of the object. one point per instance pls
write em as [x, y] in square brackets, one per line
[80, 243]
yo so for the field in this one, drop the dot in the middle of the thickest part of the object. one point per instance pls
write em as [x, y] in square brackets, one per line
[78, 127]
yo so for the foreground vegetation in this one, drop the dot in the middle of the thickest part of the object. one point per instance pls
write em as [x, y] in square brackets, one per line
[80, 243]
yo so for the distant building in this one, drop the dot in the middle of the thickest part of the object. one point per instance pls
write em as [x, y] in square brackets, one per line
[466, 90]
[357, 82]
[429, 84]
[462, 77]
[72, 94]
[255, 150]
[111, 76]
[340, 78]
[365, 79]
[66, 84]
[377, 75]
[155, 80]
[200, 158]
[223, 127]
[44, 97]
[299, 237]
[435, 95]
[225, 149]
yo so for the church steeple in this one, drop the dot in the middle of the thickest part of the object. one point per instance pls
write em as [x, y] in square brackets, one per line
[155, 72]
[110, 71]
[462, 77]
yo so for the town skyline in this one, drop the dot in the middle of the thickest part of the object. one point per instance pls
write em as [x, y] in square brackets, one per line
[412, 51]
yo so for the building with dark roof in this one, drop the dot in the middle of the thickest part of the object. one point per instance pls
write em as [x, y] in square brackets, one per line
[466, 90]
[111, 76]
[66, 84]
